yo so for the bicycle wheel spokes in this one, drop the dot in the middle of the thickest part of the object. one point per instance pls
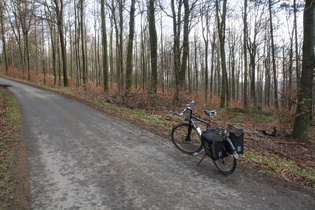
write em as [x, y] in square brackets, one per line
[186, 139]
[226, 165]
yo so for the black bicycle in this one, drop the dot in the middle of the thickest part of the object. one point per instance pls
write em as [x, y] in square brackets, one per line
[187, 137]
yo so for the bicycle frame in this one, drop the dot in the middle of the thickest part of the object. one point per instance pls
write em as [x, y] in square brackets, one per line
[191, 122]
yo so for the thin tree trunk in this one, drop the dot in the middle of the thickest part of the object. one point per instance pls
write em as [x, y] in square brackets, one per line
[185, 52]
[153, 46]
[53, 49]
[274, 67]
[104, 43]
[296, 45]
[213, 46]
[129, 65]
[245, 32]
[59, 12]
[205, 34]
[84, 69]
[176, 32]
[4, 47]
[120, 47]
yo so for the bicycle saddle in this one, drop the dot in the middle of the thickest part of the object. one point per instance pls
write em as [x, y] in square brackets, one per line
[210, 113]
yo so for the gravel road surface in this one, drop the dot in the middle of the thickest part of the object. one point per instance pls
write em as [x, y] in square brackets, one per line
[80, 158]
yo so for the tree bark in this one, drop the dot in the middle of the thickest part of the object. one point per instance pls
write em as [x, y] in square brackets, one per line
[59, 13]
[2, 21]
[176, 48]
[84, 68]
[153, 46]
[273, 57]
[104, 43]
[303, 113]
[205, 35]
[296, 44]
[129, 64]
[185, 53]
[221, 21]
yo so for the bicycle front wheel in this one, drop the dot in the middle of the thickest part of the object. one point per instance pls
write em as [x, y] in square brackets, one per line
[186, 139]
[225, 165]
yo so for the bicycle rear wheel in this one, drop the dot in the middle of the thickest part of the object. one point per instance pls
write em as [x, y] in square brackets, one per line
[225, 165]
[186, 139]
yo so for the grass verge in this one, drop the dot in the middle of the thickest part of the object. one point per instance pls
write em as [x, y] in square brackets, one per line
[13, 184]
[270, 163]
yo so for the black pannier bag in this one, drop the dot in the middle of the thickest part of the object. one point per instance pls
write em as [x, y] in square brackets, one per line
[213, 142]
[237, 138]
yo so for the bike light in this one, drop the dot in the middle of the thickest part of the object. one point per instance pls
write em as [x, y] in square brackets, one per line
[211, 121]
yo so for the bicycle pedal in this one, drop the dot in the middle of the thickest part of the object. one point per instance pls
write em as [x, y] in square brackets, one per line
[195, 154]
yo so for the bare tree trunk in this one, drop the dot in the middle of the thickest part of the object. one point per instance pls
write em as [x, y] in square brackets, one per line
[296, 45]
[2, 21]
[44, 56]
[77, 44]
[142, 57]
[273, 57]
[153, 46]
[84, 68]
[53, 49]
[119, 25]
[196, 86]
[213, 47]
[267, 75]
[104, 43]
[16, 29]
[25, 15]
[129, 65]
[304, 108]
[185, 52]
[205, 34]
[221, 21]
[233, 87]
[245, 33]
[252, 55]
[162, 61]
[59, 13]
[120, 46]
[291, 69]
[176, 32]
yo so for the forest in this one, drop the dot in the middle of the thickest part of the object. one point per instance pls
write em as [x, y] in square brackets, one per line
[258, 53]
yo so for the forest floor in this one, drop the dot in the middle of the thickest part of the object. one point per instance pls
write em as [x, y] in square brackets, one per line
[268, 149]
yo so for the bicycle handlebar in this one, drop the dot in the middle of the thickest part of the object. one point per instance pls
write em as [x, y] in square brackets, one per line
[191, 102]
[187, 107]
[211, 114]
[179, 114]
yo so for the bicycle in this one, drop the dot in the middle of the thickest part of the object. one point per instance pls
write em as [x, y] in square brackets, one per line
[187, 138]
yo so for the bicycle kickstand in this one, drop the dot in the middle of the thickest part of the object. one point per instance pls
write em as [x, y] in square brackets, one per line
[202, 159]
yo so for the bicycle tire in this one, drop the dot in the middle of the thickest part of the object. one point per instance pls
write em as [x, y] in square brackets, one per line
[186, 139]
[226, 165]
